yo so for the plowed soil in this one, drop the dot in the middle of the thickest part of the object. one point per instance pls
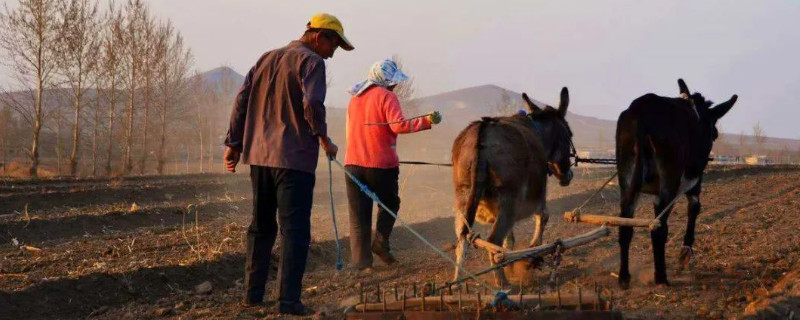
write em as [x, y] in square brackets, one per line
[77, 249]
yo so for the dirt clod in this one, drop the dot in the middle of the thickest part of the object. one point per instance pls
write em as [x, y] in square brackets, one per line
[153, 264]
[161, 312]
[204, 288]
[447, 247]
[702, 311]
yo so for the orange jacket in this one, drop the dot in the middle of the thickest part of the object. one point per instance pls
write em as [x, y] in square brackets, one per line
[373, 146]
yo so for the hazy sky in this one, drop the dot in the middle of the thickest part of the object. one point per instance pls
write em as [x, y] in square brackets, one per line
[607, 52]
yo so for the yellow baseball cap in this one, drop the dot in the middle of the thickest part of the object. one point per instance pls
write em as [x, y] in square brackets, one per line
[327, 21]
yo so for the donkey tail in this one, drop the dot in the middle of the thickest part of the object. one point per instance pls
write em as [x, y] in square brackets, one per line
[479, 175]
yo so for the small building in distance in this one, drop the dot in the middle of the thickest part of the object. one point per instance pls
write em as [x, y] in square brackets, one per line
[757, 160]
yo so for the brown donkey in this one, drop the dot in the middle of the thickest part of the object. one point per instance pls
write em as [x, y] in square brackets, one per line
[500, 169]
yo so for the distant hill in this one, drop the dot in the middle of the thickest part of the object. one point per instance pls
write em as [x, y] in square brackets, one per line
[463, 106]
[460, 107]
[223, 77]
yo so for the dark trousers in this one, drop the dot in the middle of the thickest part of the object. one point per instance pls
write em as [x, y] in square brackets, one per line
[384, 183]
[287, 194]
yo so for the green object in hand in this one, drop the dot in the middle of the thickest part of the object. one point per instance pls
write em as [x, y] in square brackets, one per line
[435, 117]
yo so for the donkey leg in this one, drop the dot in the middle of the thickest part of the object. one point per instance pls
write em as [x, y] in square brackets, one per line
[659, 236]
[631, 174]
[627, 209]
[538, 233]
[461, 245]
[509, 241]
[500, 275]
[693, 198]
[503, 224]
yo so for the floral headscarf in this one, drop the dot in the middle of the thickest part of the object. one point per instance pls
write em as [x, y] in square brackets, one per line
[383, 73]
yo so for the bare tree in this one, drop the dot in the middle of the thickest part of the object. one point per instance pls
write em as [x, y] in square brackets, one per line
[28, 36]
[136, 17]
[759, 138]
[165, 34]
[5, 127]
[742, 143]
[151, 60]
[20, 103]
[208, 100]
[226, 91]
[95, 103]
[721, 145]
[406, 91]
[77, 54]
[172, 73]
[58, 124]
[203, 99]
[110, 73]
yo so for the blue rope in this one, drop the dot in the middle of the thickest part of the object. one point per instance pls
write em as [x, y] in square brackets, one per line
[534, 123]
[339, 263]
[501, 298]
[377, 200]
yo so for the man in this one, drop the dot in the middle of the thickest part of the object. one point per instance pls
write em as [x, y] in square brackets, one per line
[277, 126]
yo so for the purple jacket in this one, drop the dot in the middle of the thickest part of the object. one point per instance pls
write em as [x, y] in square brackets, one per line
[279, 111]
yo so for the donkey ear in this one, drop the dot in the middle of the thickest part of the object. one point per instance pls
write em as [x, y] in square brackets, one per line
[564, 103]
[531, 106]
[723, 108]
[684, 89]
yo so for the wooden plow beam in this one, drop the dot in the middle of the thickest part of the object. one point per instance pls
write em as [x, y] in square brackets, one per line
[508, 315]
[575, 217]
[473, 301]
[500, 254]
[554, 305]
[436, 305]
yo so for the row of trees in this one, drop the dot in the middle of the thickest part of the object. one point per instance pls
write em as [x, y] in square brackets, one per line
[755, 144]
[117, 77]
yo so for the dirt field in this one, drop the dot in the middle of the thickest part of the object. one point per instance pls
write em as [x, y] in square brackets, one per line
[83, 250]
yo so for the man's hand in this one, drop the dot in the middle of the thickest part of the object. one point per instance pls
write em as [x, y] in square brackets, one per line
[435, 117]
[330, 148]
[231, 159]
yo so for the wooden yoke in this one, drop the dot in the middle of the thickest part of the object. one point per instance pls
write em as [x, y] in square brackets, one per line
[500, 254]
[571, 216]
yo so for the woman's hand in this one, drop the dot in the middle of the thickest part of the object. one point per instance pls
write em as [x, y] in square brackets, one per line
[435, 117]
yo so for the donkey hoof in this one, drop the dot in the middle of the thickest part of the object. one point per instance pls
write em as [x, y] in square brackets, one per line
[625, 282]
[536, 263]
[685, 257]
[661, 281]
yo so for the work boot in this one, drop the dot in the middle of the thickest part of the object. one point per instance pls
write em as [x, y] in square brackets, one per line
[380, 247]
[297, 309]
[251, 301]
[255, 304]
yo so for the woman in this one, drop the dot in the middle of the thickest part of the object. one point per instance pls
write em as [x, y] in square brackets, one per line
[374, 119]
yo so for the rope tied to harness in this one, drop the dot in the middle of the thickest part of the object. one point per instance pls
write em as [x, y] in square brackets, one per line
[501, 301]
[363, 187]
[656, 223]
[339, 262]
[576, 212]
